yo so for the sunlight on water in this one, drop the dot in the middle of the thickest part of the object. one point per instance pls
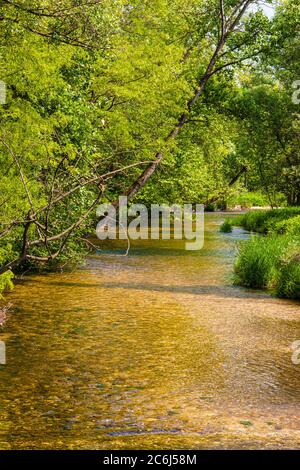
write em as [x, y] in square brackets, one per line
[154, 350]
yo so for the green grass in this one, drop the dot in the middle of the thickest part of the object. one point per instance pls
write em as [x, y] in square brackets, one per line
[256, 263]
[270, 262]
[265, 221]
[6, 282]
[288, 284]
[290, 226]
[226, 227]
[273, 260]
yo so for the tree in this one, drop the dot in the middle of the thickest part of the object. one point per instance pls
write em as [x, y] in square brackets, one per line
[93, 91]
[230, 45]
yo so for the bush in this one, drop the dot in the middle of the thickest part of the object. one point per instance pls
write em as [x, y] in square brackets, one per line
[290, 226]
[265, 221]
[256, 263]
[288, 285]
[226, 227]
[6, 282]
[248, 199]
[272, 261]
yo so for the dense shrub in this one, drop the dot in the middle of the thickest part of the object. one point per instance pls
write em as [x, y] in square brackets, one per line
[256, 263]
[290, 226]
[6, 282]
[226, 227]
[248, 199]
[272, 261]
[288, 284]
[265, 221]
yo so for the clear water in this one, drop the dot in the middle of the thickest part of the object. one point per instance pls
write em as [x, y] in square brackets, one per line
[156, 350]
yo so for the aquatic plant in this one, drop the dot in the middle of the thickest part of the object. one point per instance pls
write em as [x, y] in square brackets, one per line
[226, 227]
[273, 262]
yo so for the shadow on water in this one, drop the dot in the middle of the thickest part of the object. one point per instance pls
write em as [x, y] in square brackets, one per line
[221, 291]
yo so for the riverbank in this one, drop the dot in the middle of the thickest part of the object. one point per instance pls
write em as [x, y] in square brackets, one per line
[271, 261]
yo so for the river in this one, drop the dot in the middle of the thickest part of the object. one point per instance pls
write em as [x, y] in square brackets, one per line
[154, 350]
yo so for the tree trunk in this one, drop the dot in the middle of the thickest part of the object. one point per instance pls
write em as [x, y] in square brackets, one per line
[231, 183]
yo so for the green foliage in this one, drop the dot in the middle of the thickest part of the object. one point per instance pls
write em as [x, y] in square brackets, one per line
[265, 221]
[270, 144]
[290, 226]
[248, 199]
[74, 111]
[6, 282]
[288, 284]
[256, 263]
[99, 88]
[273, 260]
[226, 227]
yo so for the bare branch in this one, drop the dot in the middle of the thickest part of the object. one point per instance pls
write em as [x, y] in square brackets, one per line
[89, 181]
[235, 62]
[238, 14]
[70, 229]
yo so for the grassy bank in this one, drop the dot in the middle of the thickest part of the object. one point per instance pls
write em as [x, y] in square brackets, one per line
[278, 221]
[271, 261]
[6, 282]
